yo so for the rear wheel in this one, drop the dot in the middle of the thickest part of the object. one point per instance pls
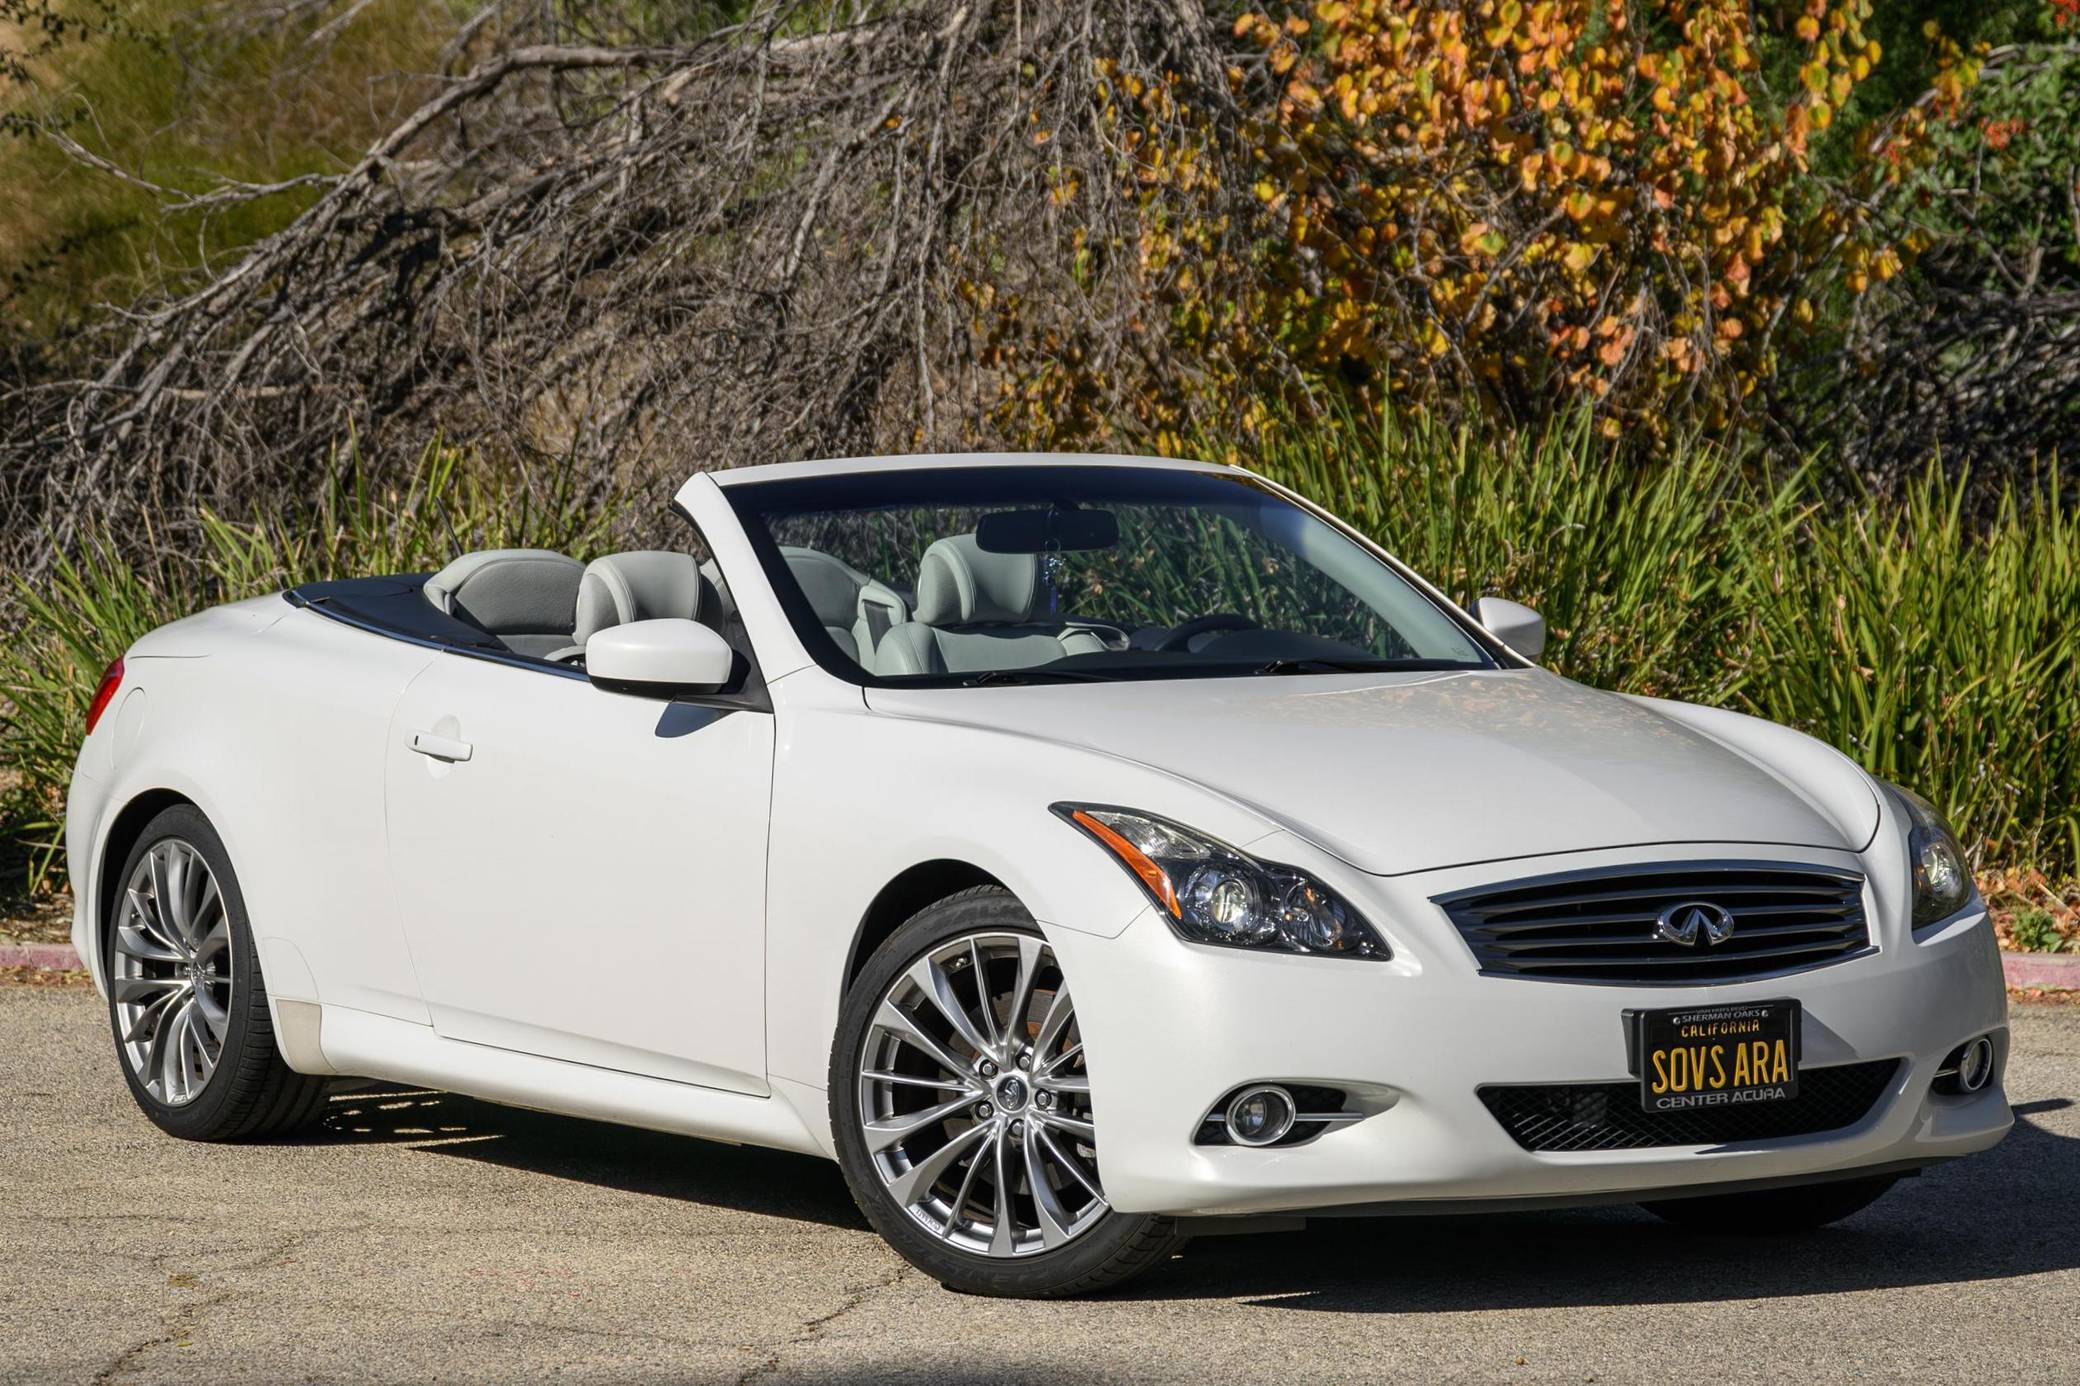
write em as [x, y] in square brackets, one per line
[961, 1104]
[185, 997]
[1764, 1212]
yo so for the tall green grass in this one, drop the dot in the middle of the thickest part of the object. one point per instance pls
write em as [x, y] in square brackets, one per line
[88, 609]
[1628, 566]
[1937, 652]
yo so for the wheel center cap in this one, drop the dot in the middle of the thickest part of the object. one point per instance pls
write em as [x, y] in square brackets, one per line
[1011, 1094]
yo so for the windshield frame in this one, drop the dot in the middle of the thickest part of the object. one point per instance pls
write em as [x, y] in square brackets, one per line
[754, 501]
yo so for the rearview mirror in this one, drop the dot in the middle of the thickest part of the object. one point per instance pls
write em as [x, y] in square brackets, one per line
[1516, 626]
[1056, 529]
[660, 658]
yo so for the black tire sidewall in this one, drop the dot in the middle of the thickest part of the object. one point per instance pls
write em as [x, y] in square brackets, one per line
[210, 1114]
[1120, 1244]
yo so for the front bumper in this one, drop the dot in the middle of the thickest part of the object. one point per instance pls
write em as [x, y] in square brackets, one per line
[1170, 1027]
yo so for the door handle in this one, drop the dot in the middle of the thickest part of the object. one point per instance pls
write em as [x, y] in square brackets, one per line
[440, 747]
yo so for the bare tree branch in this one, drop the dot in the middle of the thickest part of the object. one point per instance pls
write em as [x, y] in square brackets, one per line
[747, 245]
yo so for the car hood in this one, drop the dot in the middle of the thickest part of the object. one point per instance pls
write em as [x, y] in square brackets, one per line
[1411, 772]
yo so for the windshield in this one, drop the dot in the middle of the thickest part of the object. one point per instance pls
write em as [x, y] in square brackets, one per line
[1066, 573]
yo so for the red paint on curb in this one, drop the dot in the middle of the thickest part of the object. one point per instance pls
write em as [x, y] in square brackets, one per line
[49, 957]
[2051, 970]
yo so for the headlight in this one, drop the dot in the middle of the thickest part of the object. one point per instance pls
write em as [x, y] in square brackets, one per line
[1215, 894]
[1942, 882]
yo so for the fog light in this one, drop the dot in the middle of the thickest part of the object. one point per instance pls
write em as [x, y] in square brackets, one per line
[1968, 1068]
[1260, 1116]
[1975, 1065]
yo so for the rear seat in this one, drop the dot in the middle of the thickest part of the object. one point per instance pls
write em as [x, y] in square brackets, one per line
[642, 585]
[526, 598]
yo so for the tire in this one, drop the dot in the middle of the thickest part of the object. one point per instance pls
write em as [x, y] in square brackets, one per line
[169, 982]
[1775, 1212]
[1061, 1241]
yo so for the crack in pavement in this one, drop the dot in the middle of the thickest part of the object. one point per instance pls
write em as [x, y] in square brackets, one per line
[812, 1329]
[550, 1326]
[179, 1332]
[187, 1313]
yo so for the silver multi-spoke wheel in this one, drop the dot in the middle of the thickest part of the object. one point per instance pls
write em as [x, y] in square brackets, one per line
[974, 1101]
[170, 972]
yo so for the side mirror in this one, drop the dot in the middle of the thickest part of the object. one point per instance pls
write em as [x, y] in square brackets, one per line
[1518, 627]
[659, 659]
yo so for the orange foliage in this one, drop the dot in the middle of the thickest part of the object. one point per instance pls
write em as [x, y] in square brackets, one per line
[1529, 205]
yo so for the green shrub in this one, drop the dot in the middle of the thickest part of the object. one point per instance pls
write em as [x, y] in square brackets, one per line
[2036, 931]
[1936, 654]
[1627, 565]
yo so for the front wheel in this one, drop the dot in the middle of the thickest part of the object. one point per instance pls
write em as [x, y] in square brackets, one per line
[1764, 1212]
[961, 1107]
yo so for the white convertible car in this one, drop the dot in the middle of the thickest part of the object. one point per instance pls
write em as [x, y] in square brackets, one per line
[1081, 851]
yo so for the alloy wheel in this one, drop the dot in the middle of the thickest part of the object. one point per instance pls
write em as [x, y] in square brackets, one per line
[170, 972]
[974, 1098]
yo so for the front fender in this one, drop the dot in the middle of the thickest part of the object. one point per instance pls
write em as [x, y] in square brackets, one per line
[860, 797]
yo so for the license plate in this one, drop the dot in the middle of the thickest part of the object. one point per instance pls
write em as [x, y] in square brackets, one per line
[1716, 1056]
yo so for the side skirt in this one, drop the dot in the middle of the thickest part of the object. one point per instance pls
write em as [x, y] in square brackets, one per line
[375, 1046]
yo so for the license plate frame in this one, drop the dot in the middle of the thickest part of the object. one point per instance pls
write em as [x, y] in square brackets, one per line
[1689, 1058]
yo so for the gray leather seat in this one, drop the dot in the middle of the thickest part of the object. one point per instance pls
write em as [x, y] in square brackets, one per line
[832, 587]
[641, 585]
[976, 611]
[527, 598]
[855, 610]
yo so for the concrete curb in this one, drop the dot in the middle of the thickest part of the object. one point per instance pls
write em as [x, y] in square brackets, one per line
[2051, 970]
[47, 957]
[2054, 970]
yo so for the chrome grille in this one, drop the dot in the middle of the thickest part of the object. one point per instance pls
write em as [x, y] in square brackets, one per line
[1599, 926]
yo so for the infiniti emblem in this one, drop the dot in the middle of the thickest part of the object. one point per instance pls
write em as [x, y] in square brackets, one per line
[1693, 922]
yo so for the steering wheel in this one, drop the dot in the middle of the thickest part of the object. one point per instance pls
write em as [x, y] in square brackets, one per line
[1180, 637]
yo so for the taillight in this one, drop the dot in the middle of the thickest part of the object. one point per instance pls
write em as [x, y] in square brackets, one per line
[105, 694]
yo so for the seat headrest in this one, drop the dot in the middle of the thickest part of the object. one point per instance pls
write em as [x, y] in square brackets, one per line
[958, 584]
[831, 584]
[638, 586]
[527, 591]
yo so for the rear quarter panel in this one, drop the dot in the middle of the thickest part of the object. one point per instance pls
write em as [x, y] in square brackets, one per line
[272, 721]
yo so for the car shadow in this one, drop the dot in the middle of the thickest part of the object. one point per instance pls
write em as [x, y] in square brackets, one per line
[769, 1182]
[2005, 1213]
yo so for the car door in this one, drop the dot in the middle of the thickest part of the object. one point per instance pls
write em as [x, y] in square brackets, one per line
[582, 872]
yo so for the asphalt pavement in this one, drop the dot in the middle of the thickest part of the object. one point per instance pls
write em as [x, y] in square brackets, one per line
[425, 1237]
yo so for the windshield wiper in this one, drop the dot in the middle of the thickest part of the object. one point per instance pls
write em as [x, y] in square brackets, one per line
[1328, 666]
[1030, 676]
